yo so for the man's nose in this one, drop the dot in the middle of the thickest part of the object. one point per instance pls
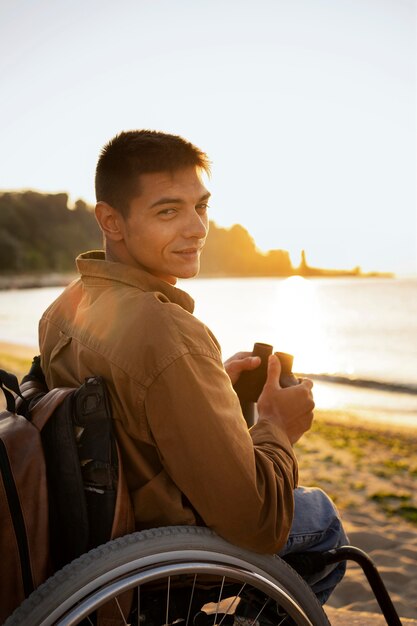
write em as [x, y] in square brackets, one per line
[196, 225]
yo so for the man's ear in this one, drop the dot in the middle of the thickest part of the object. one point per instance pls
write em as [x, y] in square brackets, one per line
[110, 221]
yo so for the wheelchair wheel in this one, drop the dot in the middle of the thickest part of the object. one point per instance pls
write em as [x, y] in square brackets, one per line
[180, 574]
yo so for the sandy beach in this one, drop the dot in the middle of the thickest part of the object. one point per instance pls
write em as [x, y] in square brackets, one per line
[371, 473]
[16, 359]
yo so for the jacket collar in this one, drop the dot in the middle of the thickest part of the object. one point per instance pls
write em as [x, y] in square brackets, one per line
[93, 264]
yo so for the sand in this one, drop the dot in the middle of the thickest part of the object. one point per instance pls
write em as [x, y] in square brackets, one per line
[371, 473]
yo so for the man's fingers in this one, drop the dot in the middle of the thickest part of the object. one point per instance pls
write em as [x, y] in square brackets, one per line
[234, 367]
[306, 382]
[238, 356]
[274, 371]
[249, 363]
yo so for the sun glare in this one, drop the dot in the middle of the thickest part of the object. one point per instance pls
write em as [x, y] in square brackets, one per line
[298, 328]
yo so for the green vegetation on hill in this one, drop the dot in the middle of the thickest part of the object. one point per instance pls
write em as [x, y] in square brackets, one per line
[40, 233]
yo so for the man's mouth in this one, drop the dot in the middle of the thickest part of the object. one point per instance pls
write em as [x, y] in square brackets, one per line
[188, 251]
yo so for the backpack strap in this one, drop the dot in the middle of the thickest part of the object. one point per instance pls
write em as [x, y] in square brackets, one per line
[124, 520]
[45, 407]
[9, 383]
[31, 392]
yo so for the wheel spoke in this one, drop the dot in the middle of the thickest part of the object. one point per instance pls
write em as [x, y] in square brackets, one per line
[237, 597]
[121, 612]
[261, 611]
[191, 600]
[168, 593]
[219, 600]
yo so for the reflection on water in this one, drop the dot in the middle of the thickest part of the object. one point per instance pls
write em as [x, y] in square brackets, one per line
[359, 327]
[369, 405]
[300, 332]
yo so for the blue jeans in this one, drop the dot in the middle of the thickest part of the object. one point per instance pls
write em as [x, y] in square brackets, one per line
[316, 528]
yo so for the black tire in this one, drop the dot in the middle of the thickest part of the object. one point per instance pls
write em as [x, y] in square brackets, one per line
[134, 560]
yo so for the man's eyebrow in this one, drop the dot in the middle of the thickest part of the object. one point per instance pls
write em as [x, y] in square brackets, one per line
[168, 200]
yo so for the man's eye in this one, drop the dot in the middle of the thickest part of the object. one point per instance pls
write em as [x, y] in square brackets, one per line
[202, 207]
[169, 211]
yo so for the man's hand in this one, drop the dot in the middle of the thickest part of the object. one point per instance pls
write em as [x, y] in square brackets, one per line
[240, 362]
[291, 408]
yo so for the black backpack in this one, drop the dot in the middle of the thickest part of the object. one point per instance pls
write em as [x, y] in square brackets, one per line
[62, 490]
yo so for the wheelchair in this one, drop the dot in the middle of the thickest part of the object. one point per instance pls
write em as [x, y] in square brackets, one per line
[185, 576]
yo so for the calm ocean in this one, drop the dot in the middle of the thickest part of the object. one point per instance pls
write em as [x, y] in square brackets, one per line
[358, 329]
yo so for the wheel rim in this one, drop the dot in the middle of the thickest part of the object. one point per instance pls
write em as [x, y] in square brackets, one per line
[107, 587]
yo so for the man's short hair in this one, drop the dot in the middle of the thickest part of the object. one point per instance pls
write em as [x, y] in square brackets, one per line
[132, 153]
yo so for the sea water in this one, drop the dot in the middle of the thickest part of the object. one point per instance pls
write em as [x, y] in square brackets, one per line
[363, 329]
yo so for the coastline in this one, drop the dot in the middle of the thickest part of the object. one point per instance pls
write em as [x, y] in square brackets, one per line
[370, 471]
[35, 281]
[61, 279]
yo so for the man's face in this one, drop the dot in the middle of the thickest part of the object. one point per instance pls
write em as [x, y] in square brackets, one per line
[167, 225]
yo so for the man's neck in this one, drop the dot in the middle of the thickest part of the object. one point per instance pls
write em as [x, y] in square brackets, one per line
[111, 255]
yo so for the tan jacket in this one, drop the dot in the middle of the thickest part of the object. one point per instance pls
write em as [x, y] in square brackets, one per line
[188, 455]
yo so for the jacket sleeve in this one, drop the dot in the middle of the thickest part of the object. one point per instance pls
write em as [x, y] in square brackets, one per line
[240, 482]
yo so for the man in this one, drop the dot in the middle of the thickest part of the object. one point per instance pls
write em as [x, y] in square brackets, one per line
[187, 453]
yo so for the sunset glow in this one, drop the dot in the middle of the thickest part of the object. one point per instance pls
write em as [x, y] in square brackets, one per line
[300, 330]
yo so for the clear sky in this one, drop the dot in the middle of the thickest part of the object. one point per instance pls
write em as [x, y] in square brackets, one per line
[307, 109]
